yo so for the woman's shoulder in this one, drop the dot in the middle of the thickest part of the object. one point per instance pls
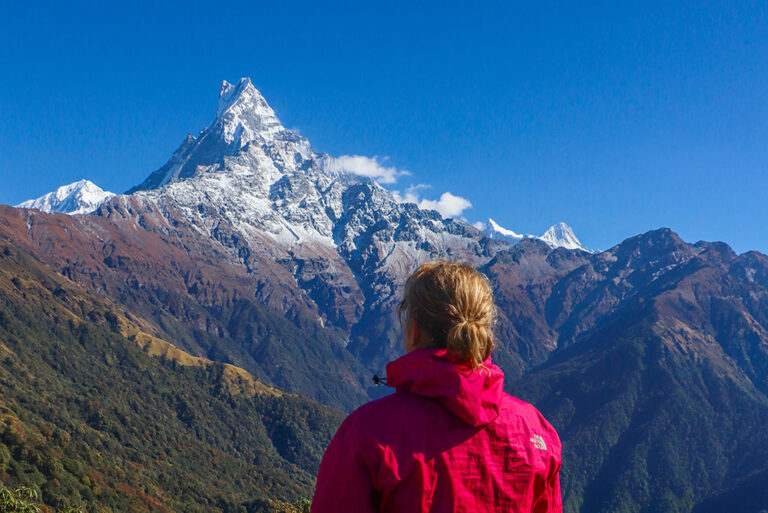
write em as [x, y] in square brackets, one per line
[397, 412]
[392, 405]
[515, 410]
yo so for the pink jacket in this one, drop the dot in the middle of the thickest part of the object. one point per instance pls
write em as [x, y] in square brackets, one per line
[449, 440]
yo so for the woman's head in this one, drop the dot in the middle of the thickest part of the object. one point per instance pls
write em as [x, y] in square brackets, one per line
[452, 306]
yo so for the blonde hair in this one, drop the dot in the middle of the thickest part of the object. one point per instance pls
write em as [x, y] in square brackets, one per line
[453, 304]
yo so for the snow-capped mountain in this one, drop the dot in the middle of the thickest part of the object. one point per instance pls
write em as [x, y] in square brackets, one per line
[561, 236]
[557, 236]
[266, 181]
[82, 197]
[280, 208]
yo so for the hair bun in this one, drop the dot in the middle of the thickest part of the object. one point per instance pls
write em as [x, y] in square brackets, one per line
[454, 303]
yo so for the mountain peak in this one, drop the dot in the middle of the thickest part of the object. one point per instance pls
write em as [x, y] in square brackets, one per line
[81, 197]
[561, 235]
[243, 91]
[244, 115]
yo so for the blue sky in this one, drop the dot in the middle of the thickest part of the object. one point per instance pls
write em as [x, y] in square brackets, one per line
[616, 118]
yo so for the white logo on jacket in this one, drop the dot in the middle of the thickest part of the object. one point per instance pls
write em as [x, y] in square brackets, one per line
[538, 442]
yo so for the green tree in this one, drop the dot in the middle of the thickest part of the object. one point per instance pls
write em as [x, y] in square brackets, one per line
[24, 500]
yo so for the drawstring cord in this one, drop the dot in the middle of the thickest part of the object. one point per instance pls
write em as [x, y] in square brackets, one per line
[379, 381]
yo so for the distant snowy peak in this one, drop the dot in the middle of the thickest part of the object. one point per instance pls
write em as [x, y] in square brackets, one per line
[558, 236]
[561, 236]
[81, 197]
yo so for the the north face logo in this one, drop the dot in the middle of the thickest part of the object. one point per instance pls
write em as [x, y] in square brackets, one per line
[538, 442]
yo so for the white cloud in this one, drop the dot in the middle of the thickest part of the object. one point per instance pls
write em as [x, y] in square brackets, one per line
[448, 205]
[479, 225]
[366, 166]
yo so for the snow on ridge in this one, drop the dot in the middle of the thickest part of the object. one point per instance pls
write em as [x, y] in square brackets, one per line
[81, 197]
[496, 229]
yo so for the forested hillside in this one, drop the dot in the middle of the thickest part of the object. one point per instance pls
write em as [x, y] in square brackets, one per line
[89, 418]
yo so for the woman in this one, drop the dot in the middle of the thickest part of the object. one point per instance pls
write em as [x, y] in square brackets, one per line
[449, 439]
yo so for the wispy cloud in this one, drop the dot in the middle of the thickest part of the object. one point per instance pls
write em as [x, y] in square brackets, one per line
[411, 194]
[367, 166]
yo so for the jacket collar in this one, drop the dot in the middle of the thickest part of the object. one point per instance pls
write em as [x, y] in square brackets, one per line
[473, 395]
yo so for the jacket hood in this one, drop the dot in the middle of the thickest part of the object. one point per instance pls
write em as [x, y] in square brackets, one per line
[473, 395]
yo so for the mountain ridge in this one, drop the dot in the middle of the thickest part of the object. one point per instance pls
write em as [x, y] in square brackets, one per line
[243, 117]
